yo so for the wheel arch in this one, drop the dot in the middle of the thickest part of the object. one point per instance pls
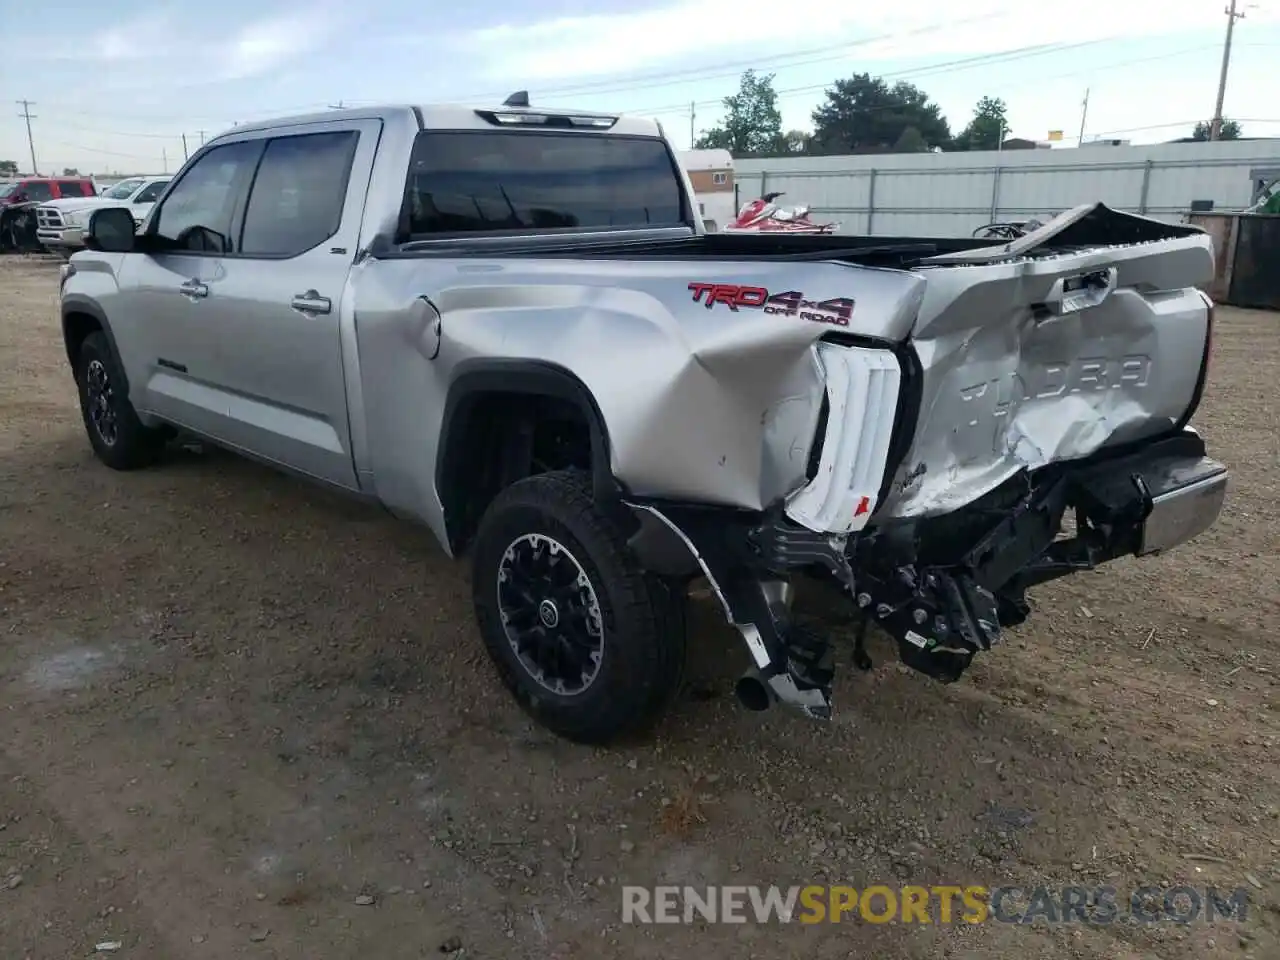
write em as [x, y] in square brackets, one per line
[82, 317]
[482, 378]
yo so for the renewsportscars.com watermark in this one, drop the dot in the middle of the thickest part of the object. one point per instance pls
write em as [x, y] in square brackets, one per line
[941, 904]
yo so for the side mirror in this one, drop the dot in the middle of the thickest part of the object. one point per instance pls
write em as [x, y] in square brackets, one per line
[19, 197]
[111, 230]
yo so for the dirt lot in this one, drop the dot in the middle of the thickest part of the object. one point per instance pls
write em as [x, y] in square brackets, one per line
[237, 709]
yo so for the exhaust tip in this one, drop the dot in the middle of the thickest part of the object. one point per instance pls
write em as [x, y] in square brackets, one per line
[752, 693]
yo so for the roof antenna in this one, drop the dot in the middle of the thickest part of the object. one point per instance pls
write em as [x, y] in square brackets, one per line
[518, 99]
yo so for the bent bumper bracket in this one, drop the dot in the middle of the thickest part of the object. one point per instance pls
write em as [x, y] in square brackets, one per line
[792, 661]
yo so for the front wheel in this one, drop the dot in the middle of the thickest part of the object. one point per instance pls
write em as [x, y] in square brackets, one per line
[118, 437]
[589, 644]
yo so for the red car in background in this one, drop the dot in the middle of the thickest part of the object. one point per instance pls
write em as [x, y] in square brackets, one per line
[18, 199]
[40, 189]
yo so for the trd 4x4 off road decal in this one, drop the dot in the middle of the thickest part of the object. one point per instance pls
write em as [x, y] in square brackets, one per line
[793, 303]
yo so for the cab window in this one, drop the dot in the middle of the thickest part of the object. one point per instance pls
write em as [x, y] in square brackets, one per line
[196, 215]
[37, 190]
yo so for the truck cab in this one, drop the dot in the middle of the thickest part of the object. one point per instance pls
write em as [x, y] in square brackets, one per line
[41, 189]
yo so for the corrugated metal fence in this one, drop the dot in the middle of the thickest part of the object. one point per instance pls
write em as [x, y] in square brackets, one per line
[952, 194]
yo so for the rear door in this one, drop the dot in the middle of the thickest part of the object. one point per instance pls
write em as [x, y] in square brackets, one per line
[277, 305]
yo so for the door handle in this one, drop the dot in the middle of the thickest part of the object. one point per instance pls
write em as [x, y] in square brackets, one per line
[311, 302]
[194, 288]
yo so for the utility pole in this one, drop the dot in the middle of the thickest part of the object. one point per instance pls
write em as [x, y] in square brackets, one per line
[164, 159]
[185, 156]
[693, 116]
[337, 106]
[201, 132]
[1084, 113]
[1215, 128]
[27, 115]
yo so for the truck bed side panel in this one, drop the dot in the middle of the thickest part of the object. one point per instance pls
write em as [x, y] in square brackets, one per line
[716, 405]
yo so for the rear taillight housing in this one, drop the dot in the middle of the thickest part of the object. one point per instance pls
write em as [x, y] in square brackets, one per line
[1198, 394]
[1210, 308]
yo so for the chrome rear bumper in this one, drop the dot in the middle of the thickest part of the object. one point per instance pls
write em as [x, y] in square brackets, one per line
[1185, 503]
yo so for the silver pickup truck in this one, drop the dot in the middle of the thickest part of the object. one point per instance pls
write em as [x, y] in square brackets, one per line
[508, 324]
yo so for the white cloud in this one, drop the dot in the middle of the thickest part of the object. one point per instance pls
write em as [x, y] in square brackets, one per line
[265, 44]
[709, 31]
[143, 51]
[136, 39]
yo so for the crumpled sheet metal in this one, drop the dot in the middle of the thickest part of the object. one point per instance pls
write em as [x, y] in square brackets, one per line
[1008, 387]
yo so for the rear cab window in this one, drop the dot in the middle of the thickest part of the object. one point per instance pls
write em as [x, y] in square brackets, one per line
[74, 188]
[37, 190]
[521, 181]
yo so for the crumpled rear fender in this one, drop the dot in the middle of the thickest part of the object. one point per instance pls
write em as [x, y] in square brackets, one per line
[713, 405]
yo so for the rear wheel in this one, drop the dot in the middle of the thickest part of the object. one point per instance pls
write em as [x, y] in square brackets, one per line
[119, 439]
[589, 644]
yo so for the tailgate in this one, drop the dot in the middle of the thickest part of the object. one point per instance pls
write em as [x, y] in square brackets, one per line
[1051, 356]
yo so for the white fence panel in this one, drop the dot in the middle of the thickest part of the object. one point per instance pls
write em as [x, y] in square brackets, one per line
[953, 194]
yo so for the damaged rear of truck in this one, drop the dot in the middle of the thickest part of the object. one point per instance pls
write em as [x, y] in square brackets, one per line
[934, 427]
[990, 419]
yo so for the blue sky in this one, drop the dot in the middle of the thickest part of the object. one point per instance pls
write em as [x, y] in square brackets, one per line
[118, 91]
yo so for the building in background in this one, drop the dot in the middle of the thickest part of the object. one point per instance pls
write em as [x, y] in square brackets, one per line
[1021, 143]
[711, 173]
[952, 194]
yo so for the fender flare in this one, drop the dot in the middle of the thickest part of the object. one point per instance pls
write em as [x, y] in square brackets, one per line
[78, 304]
[480, 377]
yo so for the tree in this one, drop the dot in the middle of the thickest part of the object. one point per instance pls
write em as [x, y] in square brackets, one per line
[1230, 130]
[8, 168]
[910, 141]
[795, 141]
[863, 114]
[987, 129]
[752, 124]
[70, 172]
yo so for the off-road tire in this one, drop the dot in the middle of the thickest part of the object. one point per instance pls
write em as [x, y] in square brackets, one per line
[643, 623]
[134, 444]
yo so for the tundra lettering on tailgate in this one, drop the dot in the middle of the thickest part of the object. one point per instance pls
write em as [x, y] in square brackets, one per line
[993, 400]
[792, 303]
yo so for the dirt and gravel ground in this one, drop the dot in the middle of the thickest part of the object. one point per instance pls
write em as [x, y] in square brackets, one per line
[243, 718]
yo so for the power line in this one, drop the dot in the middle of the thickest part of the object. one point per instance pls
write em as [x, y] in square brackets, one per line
[957, 66]
[27, 115]
[733, 68]
[106, 153]
[697, 74]
[1179, 123]
[834, 51]
[935, 69]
